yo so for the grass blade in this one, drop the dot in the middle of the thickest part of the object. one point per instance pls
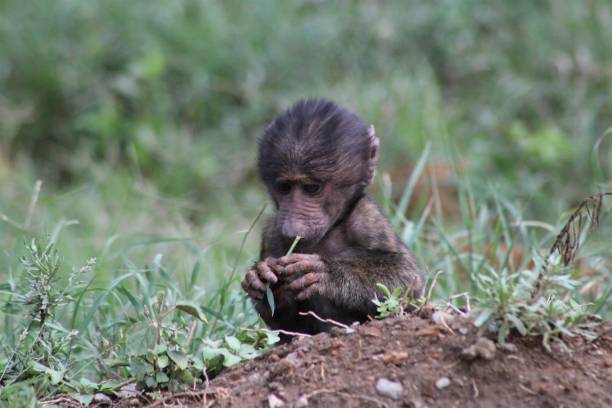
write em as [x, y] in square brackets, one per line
[269, 294]
[414, 177]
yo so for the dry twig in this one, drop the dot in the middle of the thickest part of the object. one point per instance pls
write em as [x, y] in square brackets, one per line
[330, 321]
[278, 331]
[567, 242]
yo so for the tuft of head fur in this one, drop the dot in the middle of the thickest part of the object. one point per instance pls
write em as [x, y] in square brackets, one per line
[315, 137]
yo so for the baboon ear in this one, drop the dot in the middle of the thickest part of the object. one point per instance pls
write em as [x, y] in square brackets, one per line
[372, 153]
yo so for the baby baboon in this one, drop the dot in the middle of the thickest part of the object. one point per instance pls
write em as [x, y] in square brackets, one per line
[316, 159]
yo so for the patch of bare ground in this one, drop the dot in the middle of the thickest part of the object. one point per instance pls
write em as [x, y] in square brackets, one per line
[413, 362]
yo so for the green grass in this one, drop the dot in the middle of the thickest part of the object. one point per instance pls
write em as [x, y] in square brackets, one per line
[140, 119]
[158, 311]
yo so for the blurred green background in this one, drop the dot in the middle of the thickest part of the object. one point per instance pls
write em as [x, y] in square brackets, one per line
[141, 117]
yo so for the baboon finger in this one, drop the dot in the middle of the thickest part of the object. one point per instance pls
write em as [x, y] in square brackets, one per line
[309, 292]
[304, 267]
[251, 292]
[253, 281]
[306, 280]
[286, 260]
[265, 273]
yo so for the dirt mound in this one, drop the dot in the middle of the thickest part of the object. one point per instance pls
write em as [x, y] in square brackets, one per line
[413, 362]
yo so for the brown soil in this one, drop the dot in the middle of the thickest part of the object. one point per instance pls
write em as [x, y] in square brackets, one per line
[342, 370]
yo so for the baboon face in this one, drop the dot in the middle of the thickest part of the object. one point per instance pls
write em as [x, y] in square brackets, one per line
[316, 159]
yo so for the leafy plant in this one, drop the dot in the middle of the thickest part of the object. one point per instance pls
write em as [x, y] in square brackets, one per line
[19, 395]
[232, 350]
[164, 340]
[505, 304]
[394, 302]
[543, 300]
[163, 345]
[44, 346]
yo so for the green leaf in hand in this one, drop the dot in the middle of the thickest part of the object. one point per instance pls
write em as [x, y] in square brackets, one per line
[269, 294]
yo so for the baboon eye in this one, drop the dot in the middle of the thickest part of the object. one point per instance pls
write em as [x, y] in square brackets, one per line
[283, 187]
[311, 188]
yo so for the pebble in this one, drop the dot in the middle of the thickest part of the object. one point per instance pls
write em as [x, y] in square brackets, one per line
[509, 347]
[102, 398]
[442, 383]
[255, 378]
[389, 389]
[302, 402]
[442, 318]
[275, 402]
[417, 403]
[293, 358]
[274, 386]
[371, 331]
[396, 357]
[335, 331]
[483, 348]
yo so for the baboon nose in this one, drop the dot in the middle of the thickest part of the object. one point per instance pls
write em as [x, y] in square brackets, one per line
[291, 230]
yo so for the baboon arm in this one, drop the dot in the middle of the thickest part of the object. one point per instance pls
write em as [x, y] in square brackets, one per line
[353, 280]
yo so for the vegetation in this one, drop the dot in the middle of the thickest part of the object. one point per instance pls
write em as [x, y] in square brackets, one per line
[140, 119]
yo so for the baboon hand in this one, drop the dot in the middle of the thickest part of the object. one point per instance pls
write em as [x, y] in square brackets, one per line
[304, 274]
[258, 278]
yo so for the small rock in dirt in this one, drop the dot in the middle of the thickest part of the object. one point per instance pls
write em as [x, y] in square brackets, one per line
[336, 344]
[302, 402]
[509, 347]
[371, 331]
[283, 368]
[442, 318]
[442, 383]
[301, 340]
[428, 331]
[340, 331]
[275, 402]
[463, 330]
[389, 389]
[417, 403]
[336, 331]
[293, 357]
[255, 379]
[102, 398]
[426, 311]
[274, 386]
[221, 393]
[396, 357]
[483, 348]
